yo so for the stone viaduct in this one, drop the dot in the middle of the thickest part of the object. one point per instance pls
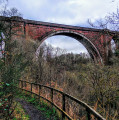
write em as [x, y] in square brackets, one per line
[96, 41]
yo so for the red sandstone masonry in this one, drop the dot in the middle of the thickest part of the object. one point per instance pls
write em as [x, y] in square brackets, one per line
[92, 39]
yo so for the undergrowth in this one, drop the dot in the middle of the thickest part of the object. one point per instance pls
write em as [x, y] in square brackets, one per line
[19, 113]
[48, 111]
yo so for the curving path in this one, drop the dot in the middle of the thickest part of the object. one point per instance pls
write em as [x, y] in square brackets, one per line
[33, 112]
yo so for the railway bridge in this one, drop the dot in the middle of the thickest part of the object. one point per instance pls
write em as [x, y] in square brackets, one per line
[96, 41]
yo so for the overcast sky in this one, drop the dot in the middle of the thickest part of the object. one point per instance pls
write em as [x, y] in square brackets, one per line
[70, 12]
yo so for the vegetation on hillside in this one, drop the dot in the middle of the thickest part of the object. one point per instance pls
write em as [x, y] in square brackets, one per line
[74, 74]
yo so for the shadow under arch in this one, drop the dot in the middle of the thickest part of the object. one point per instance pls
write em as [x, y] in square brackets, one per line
[92, 50]
[116, 41]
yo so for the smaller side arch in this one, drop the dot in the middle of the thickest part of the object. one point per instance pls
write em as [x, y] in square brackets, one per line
[116, 40]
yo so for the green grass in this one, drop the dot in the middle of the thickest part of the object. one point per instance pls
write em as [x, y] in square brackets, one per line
[46, 110]
[19, 113]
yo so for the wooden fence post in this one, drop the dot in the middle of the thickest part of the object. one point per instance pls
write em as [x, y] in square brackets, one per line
[63, 106]
[25, 85]
[52, 96]
[39, 92]
[31, 90]
[88, 114]
[31, 87]
[22, 84]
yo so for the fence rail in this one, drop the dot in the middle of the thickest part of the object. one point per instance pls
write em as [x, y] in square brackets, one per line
[88, 109]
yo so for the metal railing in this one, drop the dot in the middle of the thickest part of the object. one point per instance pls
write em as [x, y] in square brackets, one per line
[90, 111]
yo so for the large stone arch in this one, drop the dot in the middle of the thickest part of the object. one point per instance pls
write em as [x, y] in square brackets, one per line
[91, 48]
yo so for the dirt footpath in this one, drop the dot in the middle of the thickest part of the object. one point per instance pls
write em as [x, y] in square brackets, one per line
[33, 112]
